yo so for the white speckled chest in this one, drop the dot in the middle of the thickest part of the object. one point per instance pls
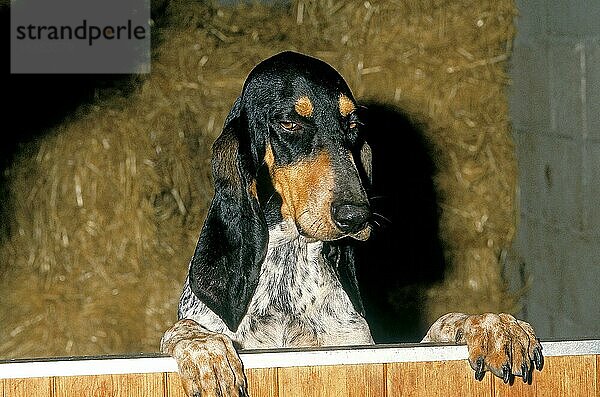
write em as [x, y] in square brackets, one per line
[298, 302]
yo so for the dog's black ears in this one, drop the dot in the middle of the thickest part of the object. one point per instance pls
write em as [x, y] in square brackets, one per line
[225, 268]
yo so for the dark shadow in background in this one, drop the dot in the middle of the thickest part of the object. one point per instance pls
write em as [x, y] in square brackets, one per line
[404, 255]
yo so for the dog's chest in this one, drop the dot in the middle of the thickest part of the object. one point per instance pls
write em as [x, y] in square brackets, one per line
[300, 302]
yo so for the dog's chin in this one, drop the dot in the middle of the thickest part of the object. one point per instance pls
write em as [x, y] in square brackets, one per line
[361, 235]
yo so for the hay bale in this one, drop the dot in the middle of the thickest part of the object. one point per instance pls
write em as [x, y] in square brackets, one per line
[107, 208]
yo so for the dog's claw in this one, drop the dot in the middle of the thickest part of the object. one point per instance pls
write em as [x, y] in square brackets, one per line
[480, 371]
[524, 372]
[506, 372]
[538, 358]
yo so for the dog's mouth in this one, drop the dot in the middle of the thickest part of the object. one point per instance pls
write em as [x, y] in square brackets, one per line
[363, 235]
[332, 233]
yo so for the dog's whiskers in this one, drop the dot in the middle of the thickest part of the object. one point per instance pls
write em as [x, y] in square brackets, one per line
[319, 226]
[269, 199]
[382, 217]
[311, 227]
[377, 198]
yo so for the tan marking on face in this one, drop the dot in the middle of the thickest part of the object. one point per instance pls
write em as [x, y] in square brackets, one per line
[306, 190]
[269, 158]
[346, 105]
[270, 161]
[304, 106]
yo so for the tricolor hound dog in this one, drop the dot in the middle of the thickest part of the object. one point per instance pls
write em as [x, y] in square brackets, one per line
[273, 266]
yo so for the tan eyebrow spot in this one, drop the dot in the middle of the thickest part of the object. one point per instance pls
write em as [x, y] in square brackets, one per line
[346, 105]
[304, 106]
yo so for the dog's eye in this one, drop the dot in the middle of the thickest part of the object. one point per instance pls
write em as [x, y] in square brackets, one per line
[290, 125]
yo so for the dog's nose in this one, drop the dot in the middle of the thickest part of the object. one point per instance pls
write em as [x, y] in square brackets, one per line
[350, 217]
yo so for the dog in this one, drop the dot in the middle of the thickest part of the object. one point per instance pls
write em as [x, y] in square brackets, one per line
[274, 264]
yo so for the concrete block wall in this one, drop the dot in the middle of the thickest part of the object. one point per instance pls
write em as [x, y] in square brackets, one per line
[555, 112]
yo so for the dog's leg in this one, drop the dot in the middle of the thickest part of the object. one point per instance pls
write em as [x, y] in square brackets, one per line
[208, 363]
[498, 343]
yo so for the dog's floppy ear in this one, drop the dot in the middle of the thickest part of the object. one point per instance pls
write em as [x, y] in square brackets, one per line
[340, 256]
[226, 264]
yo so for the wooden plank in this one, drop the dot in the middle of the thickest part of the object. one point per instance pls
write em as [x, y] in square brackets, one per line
[332, 381]
[173, 385]
[42, 387]
[561, 376]
[128, 385]
[98, 385]
[139, 385]
[438, 378]
[28, 387]
[262, 382]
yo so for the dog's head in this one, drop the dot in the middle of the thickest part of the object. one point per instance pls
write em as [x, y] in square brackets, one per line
[290, 152]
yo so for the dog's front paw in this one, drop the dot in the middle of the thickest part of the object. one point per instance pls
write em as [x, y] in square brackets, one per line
[208, 362]
[498, 343]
